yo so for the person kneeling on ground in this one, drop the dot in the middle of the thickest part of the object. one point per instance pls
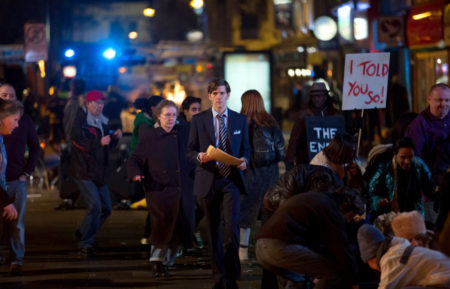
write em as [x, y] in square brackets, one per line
[307, 236]
[400, 263]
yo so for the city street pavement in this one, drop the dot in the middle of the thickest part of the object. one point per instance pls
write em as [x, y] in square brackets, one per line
[51, 259]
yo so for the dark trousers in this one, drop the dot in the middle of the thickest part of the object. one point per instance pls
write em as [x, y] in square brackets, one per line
[98, 204]
[293, 261]
[66, 184]
[222, 211]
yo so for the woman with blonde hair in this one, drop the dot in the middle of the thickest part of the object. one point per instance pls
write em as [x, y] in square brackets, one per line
[267, 143]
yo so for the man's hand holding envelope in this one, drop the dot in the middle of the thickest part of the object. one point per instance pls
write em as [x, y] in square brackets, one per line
[215, 154]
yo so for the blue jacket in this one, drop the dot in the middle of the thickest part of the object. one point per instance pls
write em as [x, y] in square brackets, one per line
[382, 184]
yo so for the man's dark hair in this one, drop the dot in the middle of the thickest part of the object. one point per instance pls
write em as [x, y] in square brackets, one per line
[143, 104]
[403, 142]
[188, 101]
[320, 178]
[349, 200]
[77, 86]
[154, 100]
[341, 149]
[215, 83]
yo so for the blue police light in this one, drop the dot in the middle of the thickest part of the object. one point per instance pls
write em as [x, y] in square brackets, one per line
[109, 53]
[69, 53]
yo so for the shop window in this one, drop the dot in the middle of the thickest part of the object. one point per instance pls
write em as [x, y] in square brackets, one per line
[429, 68]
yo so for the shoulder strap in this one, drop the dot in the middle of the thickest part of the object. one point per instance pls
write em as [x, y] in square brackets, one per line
[384, 246]
[406, 254]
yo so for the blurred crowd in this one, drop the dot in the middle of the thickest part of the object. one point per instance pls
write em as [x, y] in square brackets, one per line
[324, 221]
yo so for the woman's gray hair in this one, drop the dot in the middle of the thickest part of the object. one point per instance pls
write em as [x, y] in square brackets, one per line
[10, 107]
[161, 105]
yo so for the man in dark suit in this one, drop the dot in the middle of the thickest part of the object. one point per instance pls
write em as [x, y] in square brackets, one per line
[218, 185]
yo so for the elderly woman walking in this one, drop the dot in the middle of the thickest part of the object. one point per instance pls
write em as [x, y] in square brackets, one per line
[159, 161]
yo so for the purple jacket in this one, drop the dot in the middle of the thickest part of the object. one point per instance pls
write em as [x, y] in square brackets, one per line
[428, 133]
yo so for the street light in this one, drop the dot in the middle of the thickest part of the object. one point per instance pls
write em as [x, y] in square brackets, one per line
[133, 35]
[69, 71]
[69, 53]
[196, 4]
[109, 53]
[148, 12]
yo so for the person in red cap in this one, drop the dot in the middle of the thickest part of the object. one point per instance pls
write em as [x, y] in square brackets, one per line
[90, 139]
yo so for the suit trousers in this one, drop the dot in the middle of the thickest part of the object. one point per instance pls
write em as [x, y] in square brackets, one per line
[222, 212]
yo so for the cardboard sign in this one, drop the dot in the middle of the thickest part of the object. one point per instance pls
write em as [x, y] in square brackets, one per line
[320, 131]
[365, 81]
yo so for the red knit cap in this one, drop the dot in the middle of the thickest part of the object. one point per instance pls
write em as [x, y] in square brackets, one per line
[94, 95]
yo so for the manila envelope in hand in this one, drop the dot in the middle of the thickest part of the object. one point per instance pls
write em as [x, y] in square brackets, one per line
[222, 157]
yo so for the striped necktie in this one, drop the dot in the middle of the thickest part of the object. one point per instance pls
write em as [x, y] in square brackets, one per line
[224, 170]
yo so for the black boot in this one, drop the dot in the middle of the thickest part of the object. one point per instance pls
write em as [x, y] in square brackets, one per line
[159, 270]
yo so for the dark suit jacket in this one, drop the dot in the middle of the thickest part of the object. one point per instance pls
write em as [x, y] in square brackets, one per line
[202, 135]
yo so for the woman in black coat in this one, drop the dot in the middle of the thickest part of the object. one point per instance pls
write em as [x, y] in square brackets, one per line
[159, 161]
[266, 140]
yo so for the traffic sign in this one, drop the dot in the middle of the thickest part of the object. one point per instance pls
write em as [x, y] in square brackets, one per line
[35, 42]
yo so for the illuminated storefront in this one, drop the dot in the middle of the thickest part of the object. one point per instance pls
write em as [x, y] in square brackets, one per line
[425, 33]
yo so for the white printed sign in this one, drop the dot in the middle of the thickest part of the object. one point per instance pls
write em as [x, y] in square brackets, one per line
[320, 131]
[365, 81]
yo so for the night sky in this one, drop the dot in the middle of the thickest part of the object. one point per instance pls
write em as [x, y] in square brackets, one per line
[15, 13]
[13, 16]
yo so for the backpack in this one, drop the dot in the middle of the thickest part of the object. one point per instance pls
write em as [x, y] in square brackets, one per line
[264, 151]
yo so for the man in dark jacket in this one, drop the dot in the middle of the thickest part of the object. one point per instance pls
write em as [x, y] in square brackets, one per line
[67, 189]
[307, 235]
[75, 102]
[320, 104]
[191, 106]
[220, 185]
[299, 179]
[18, 170]
[90, 139]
